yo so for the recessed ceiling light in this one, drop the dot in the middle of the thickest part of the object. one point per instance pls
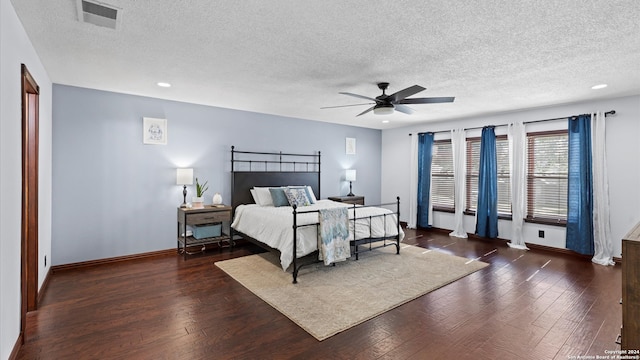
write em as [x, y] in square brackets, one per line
[385, 121]
[164, 84]
[599, 86]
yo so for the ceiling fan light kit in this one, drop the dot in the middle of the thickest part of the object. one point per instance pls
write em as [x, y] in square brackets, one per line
[387, 104]
[384, 109]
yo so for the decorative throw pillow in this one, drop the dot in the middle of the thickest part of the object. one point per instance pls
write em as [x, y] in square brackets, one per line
[278, 196]
[297, 196]
[310, 195]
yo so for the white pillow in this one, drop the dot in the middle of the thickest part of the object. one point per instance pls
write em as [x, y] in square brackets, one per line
[264, 196]
[254, 196]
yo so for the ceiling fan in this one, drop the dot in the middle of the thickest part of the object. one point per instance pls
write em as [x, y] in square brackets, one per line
[385, 104]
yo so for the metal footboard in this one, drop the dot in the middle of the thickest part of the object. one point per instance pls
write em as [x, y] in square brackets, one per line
[355, 242]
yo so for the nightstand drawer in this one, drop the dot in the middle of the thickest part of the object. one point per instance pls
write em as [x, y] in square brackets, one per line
[208, 217]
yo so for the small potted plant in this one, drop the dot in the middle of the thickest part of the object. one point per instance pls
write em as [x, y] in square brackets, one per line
[197, 202]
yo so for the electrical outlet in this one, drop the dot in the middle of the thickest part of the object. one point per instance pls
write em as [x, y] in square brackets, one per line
[541, 234]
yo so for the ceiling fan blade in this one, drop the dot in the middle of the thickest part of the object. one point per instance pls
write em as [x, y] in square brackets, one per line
[429, 100]
[411, 90]
[404, 109]
[366, 111]
[339, 106]
[358, 96]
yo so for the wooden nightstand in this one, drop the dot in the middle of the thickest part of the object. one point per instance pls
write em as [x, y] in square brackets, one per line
[358, 200]
[209, 215]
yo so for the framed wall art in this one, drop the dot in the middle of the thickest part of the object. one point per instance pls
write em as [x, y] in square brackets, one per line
[154, 131]
[350, 146]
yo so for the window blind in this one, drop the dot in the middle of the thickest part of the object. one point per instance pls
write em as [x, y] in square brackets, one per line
[547, 176]
[442, 186]
[504, 175]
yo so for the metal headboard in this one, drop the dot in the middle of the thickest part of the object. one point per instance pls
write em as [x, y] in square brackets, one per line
[251, 168]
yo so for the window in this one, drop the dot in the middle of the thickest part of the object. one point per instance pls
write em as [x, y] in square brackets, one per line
[504, 178]
[442, 188]
[547, 176]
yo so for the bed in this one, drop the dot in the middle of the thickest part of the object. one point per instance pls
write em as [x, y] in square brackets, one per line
[290, 230]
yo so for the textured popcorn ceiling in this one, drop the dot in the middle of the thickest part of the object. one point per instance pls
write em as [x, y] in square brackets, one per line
[292, 57]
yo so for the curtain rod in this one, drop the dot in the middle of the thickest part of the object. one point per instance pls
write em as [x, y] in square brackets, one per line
[612, 112]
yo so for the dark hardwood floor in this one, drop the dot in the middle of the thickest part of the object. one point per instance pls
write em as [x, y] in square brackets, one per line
[525, 305]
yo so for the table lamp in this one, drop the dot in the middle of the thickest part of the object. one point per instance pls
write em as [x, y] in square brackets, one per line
[350, 176]
[184, 177]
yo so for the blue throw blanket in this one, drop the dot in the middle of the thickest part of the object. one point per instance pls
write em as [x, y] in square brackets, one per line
[333, 235]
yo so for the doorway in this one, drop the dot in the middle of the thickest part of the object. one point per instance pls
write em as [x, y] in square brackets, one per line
[29, 226]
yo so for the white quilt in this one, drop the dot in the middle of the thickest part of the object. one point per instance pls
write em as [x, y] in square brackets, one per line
[274, 226]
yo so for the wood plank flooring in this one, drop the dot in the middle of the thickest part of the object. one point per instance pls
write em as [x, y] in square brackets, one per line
[526, 305]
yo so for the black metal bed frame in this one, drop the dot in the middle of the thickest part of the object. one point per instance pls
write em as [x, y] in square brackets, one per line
[271, 173]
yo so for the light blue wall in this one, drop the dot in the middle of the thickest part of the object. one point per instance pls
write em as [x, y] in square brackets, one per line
[115, 196]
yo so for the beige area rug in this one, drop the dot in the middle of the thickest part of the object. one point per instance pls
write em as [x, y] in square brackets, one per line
[330, 299]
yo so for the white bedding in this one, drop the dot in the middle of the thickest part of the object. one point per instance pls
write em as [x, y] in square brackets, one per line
[274, 226]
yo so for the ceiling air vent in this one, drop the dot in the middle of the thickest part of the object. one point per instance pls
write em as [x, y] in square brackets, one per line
[98, 13]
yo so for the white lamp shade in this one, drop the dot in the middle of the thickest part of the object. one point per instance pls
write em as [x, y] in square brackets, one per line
[184, 176]
[350, 175]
